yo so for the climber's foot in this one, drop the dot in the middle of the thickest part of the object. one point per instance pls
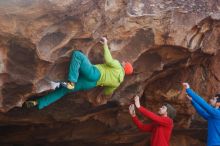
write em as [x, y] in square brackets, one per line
[68, 85]
[30, 103]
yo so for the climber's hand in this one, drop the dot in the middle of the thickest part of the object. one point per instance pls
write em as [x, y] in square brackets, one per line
[186, 85]
[104, 40]
[132, 110]
[137, 101]
[190, 98]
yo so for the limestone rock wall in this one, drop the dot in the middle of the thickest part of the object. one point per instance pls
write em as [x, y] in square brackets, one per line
[168, 42]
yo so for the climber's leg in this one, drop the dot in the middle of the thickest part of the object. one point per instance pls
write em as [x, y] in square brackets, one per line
[80, 64]
[82, 84]
[51, 97]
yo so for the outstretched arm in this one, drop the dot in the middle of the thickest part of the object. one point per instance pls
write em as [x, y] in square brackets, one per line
[208, 108]
[158, 119]
[199, 100]
[200, 110]
[107, 55]
[138, 123]
[141, 126]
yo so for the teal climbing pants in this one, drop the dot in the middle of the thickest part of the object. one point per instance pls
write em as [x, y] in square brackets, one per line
[81, 72]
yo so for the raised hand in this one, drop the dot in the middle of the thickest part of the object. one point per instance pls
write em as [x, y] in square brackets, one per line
[137, 101]
[186, 85]
[190, 98]
[132, 110]
[104, 40]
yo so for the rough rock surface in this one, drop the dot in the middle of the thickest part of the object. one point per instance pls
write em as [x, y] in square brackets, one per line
[168, 42]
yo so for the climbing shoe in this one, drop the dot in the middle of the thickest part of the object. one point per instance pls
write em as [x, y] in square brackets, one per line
[68, 85]
[30, 103]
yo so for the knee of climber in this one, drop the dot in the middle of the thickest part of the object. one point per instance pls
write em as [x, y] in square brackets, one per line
[77, 53]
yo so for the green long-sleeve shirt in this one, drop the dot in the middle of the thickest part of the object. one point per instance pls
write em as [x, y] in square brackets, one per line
[112, 73]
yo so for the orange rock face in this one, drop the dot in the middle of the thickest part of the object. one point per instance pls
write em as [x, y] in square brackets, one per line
[168, 42]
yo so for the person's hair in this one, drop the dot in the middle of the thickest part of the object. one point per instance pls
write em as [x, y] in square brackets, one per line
[171, 111]
[217, 95]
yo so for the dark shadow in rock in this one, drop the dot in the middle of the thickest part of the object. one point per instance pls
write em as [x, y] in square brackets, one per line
[21, 67]
[148, 62]
[22, 60]
[48, 42]
[96, 54]
[59, 71]
[14, 92]
[142, 41]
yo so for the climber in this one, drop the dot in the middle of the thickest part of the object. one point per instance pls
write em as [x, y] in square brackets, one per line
[161, 125]
[84, 76]
[211, 113]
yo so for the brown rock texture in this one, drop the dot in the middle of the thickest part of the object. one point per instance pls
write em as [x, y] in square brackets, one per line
[167, 41]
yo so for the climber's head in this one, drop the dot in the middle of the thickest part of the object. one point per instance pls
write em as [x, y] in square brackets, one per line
[128, 69]
[167, 110]
[215, 101]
